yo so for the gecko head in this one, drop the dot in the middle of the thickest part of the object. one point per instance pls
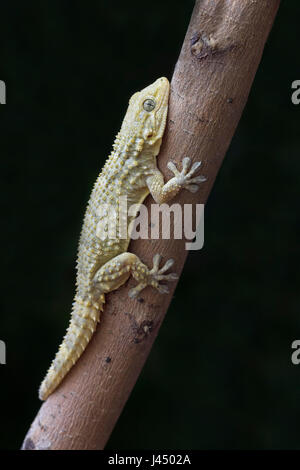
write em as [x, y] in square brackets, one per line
[147, 112]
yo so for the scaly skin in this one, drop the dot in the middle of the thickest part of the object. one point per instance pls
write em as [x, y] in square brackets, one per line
[104, 265]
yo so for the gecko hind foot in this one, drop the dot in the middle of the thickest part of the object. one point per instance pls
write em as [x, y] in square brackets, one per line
[186, 177]
[154, 276]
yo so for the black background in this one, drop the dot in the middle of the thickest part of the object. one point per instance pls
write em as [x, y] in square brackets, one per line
[220, 373]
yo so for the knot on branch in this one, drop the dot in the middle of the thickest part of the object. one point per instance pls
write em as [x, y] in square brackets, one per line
[203, 45]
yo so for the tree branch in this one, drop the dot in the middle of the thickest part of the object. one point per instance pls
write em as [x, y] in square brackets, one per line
[209, 89]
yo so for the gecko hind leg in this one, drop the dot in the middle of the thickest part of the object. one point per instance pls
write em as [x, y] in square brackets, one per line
[115, 272]
[154, 276]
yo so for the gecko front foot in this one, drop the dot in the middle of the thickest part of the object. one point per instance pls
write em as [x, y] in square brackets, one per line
[153, 277]
[186, 178]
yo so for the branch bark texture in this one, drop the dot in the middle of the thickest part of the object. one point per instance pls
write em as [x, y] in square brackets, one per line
[211, 82]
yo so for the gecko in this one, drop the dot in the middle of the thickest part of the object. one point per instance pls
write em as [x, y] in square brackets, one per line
[103, 265]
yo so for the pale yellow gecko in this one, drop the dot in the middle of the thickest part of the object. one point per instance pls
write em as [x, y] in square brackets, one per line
[104, 265]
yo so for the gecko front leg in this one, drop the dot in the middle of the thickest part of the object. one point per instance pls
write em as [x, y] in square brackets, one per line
[115, 272]
[162, 192]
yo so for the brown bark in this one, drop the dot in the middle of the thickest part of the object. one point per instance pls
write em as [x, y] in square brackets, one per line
[209, 89]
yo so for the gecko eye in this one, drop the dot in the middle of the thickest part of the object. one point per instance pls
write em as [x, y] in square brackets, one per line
[149, 105]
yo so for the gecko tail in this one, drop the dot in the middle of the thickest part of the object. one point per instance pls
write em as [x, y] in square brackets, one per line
[82, 326]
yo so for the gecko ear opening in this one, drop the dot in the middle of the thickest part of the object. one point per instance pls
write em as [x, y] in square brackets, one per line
[148, 133]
